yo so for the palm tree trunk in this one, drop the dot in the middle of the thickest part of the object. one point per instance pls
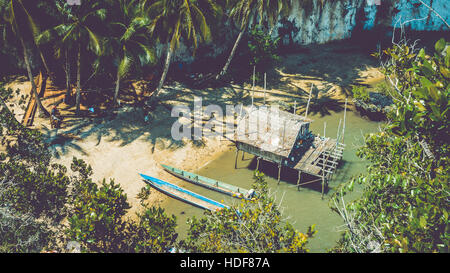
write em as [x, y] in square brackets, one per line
[78, 99]
[42, 111]
[116, 92]
[233, 51]
[47, 70]
[68, 89]
[164, 74]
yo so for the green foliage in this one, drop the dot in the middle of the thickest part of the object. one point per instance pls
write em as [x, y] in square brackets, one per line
[31, 189]
[404, 205]
[361, 93]
[96, 219]
[171, 20]
[423, 92]
[129, 41]
[263, 49]
[260, 12]
[21, 232]
[255, 226]
[41, 190]
[154, 232]
[29, 183]
[383, 88]
[21, 143]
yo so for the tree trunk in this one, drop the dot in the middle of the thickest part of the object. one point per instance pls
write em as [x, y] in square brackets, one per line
[68, 87]
[233, 51]
[42, 111]
[429, 12]
[47, 70]
[164, 74]
[116, 92]
[78, 99]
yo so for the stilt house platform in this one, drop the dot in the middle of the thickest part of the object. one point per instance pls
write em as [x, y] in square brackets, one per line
[284, 139]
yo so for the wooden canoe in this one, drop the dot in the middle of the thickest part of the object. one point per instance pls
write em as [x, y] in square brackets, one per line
[207, 182]
[183, 194]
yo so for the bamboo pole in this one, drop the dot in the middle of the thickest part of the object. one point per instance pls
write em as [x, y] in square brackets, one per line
[254, 75]
[343, 127]
[309, 99]
[310, 182]
[338, 135]
[279, 173]
[323, 185]
[298, 179]
[265, 87]
[253, 86]
[323, 174]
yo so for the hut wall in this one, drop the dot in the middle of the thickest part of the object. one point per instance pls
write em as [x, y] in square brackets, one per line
[266, 155]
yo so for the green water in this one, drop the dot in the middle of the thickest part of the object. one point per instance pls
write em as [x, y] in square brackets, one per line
[303, 208]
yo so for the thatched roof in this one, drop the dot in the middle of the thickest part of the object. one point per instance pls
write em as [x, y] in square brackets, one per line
[276, 133]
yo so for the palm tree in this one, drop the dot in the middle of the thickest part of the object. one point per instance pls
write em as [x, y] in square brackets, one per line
[173, 19]
[78, 31]
[245, 11]
[129, 40]
[24, 28]
[54, 35]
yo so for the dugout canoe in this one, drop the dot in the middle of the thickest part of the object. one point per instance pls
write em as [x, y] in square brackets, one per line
[209, 183]
[183, 194]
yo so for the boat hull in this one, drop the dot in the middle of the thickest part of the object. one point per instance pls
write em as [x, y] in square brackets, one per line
[183, 194]
[207, 182]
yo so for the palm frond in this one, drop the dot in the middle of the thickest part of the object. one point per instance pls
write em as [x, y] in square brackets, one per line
[149, 55]
[124, 65]
[94, 42]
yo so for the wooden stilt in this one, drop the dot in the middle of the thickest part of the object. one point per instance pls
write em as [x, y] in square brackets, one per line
[235, 160]
[338, 133]
[343, 126]
[243, 153]
[254, 75]
[279, 173]
[265, 83]
[257, 163]
[298, 179]
[323, 184]
[253, 93]
[253, 86]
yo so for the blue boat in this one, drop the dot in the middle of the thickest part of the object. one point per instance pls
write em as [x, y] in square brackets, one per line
[183, 194]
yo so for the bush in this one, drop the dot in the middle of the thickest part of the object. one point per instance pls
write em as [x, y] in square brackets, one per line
[360, 93]
[255, 226]
[262, 50]
[404, 205]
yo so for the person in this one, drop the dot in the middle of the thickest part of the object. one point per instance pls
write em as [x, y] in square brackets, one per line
[55, 116]
[55, 111]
